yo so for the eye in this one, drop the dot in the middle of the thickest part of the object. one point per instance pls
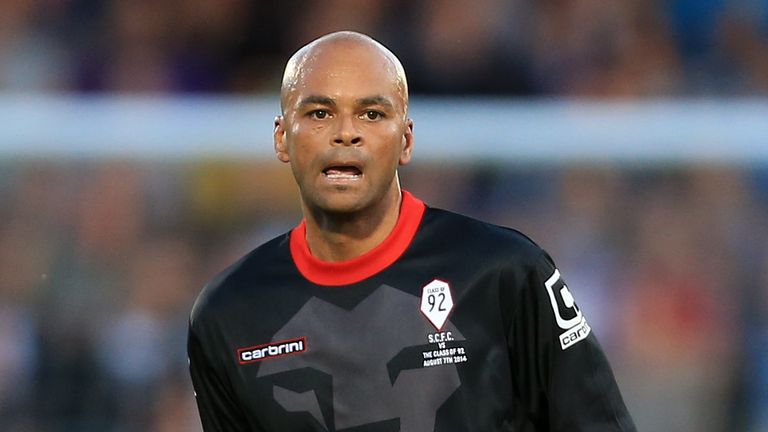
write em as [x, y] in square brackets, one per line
[319, 114]
[372, 115]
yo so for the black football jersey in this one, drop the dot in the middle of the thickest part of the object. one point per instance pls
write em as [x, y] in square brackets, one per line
[451, 324]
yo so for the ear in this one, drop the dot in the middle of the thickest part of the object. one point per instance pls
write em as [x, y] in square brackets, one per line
[405, 153]
[281, 147]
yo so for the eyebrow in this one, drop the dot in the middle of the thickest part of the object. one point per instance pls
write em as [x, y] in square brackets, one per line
[316, 100]
[365, 101]
[374, 100]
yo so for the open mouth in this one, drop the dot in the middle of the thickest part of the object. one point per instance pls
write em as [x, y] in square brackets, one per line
[343, 172]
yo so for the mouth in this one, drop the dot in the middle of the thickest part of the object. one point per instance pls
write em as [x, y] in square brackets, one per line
[343, 172]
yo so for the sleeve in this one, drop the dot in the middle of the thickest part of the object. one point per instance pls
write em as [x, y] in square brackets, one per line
[561, 373]
[219, 411]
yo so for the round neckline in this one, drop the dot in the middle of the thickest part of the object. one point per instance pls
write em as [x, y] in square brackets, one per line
[366, 265]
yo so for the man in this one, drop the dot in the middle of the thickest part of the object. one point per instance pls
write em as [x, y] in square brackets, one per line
[378, 313]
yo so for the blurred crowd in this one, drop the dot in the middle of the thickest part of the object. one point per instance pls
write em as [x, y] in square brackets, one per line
[100, 260]
[514, 47]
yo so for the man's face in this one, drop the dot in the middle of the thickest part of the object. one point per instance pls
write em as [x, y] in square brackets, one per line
[344, 129]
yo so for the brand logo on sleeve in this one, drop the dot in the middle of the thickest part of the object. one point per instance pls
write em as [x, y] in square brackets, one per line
[567, 313]
[271, 350]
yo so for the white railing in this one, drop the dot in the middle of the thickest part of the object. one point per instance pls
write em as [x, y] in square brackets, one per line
[446, 129]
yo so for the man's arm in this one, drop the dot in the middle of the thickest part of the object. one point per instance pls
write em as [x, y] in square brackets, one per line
[219, 412]
[561, 372]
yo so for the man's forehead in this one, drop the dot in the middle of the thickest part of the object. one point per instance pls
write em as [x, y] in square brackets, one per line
[332, 62]
[340, 50]
[333, 85]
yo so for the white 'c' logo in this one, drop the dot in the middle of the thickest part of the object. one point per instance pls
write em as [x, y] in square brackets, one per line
[567, 313]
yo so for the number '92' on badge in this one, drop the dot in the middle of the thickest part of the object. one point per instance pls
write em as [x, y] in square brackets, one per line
[436, 302]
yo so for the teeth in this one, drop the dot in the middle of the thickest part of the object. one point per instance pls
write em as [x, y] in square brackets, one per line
[340, 175]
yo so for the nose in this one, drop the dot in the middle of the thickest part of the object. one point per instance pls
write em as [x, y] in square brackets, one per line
[347, 132]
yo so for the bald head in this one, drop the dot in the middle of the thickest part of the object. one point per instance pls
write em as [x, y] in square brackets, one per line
[347, 44]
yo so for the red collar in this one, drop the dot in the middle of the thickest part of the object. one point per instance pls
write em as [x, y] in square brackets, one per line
[367, 264]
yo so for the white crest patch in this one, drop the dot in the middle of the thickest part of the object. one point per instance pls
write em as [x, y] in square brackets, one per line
[436, 302]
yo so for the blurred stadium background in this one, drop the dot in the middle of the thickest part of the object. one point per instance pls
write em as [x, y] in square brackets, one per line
[629, 138]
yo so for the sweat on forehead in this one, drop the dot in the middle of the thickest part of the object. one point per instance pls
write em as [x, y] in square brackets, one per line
[302, 59]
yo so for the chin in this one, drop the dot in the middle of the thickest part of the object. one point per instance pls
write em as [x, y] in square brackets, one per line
[339, 202]
[345, 205]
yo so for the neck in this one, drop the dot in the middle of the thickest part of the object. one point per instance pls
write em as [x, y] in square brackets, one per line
[335, 237]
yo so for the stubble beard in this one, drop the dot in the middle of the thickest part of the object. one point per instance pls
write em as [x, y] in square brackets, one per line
[336, 212]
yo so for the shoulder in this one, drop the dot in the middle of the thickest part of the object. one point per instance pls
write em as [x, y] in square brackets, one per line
[228, 288]
[480, 237]
[510, 262]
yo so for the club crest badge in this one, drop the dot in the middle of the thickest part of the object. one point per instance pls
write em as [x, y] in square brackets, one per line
[436, 302]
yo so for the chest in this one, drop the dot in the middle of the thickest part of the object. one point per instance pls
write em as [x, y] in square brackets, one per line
[394, 355]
